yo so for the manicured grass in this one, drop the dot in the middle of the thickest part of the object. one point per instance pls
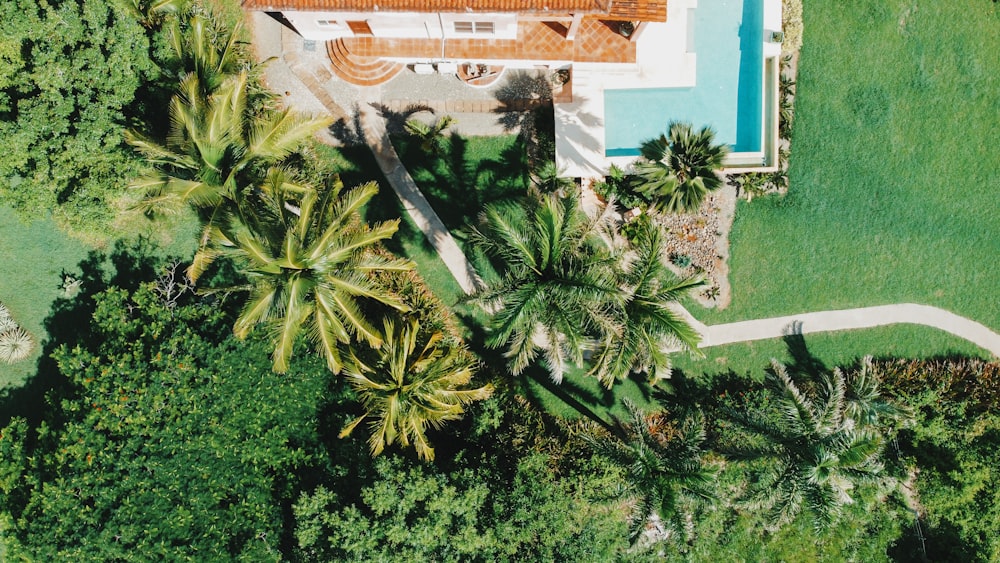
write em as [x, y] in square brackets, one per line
[576, 386]
[34, 255]
[469, 173]
[842, 348]
[893, 178]
[357, 166]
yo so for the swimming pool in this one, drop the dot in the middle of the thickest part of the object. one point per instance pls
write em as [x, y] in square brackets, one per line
[728, 91]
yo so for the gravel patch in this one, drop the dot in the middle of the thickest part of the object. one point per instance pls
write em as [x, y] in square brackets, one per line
[698, 244]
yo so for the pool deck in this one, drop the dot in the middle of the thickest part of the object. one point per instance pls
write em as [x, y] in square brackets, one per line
[662, 61]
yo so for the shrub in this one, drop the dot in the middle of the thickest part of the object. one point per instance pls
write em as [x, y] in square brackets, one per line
[633, 229]
[681, 260]
[791, 16]
[617, 185]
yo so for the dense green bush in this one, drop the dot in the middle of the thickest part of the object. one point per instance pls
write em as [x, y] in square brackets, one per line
[70, 72]
[954, 452]
[421, 513]
[177, 442]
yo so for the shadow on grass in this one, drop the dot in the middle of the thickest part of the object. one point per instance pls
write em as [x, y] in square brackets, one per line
[803, 361]
[68, 324]
[466, 175]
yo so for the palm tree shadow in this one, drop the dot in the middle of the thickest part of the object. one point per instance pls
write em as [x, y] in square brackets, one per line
[69, 325]
[395, 121]
[802, 361]
[349, 133]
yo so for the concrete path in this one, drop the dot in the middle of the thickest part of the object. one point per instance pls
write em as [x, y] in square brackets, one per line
[306, 84]
[414, 202]
[305, 81]
[865, 317]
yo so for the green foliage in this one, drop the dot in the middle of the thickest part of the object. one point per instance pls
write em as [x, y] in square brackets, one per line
[420, 513]
[178, 444]
[547, 179]
[405, 390]
[566, 290]
[69, 76]
[558, 284]
[430, 137]
[308, 260]
[679, 169]
[663, 467]
[618, 186]
[954, 447]
[647, 325]
[217, 150]
[819, 443]
[681, 260]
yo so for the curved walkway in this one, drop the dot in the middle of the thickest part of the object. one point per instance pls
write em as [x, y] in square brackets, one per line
[269, 36]
[846, 319]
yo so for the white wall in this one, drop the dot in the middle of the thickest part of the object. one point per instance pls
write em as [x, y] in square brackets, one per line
[409, 25]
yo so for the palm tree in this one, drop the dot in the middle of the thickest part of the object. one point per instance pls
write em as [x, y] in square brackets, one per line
[650, 328]
[214, 154]
[208, 51]
[680, 171]
[214, 147]
[664, 469]
[412, 383]
[310, 266]
[429, 136]
[558, 292]
[151, 12]
[548, 180]
[816, 453]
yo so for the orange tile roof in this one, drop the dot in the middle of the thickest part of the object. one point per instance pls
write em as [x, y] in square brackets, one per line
[596, 41]
[473, 6]
[639, 10]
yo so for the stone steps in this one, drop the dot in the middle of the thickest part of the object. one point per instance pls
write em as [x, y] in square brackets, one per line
[357, 70]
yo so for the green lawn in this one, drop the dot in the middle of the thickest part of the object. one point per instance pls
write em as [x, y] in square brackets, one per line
[34, 256]
[356, 166]
[470, 173]
[894, 178]
[37, 254]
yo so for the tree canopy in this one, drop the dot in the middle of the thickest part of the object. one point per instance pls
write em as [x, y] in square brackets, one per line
[69, 75]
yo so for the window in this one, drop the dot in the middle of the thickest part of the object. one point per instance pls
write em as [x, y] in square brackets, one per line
[474, 28]
[329, 24]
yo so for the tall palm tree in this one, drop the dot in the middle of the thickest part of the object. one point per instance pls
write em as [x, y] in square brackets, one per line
[429, 136]
[215, 147]
[412, 383]
[680, 170]
[558, 292]
[309, 267]
[650, 328]
[664, 468]
[816, 453]
[215, 155]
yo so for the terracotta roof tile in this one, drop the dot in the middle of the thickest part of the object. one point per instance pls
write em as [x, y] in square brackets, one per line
[639, 10]
[596, 41]
[480, 6]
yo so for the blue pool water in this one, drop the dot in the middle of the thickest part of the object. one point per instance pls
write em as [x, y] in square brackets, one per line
[728, 41]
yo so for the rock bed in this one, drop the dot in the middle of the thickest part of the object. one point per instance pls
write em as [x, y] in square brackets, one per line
[697, 243]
